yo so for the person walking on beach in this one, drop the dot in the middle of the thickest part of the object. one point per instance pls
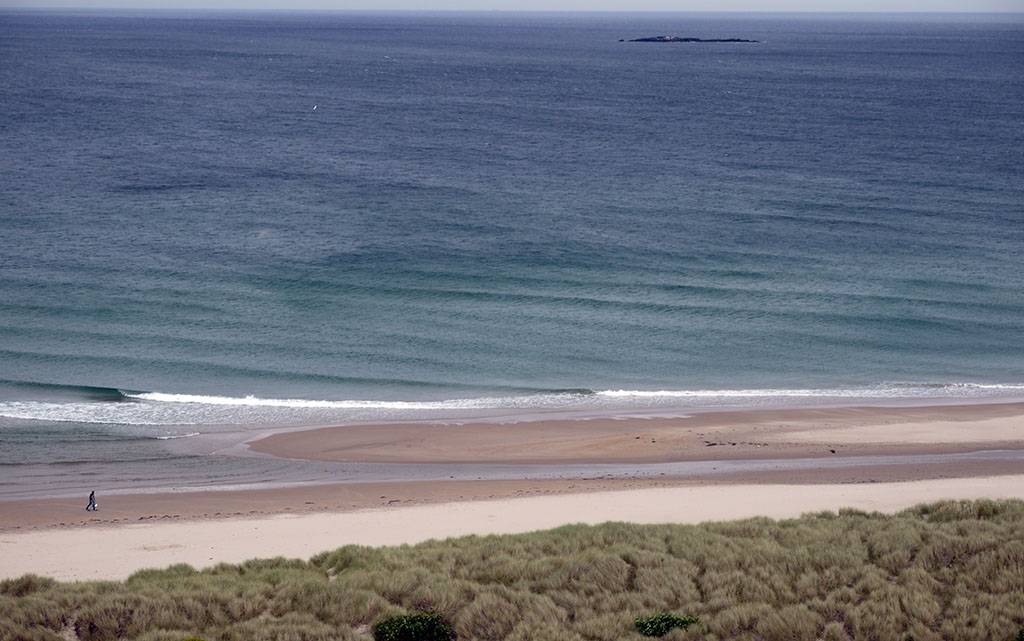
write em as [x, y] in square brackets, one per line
[92, 502]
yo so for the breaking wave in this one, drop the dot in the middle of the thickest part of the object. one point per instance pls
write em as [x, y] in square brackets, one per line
[172, 437]
[894, 391]
[163, 408]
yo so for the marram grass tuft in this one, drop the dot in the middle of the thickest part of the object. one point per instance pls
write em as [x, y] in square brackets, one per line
[946, 571]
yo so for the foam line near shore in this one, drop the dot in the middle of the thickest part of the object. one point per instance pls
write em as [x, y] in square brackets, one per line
[157, 408]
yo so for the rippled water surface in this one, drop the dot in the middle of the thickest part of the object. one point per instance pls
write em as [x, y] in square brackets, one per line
[223, 220]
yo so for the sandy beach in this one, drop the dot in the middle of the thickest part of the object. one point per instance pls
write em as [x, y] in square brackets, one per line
[793, 433]
[440, 463]
[117, 552]
[717, 465]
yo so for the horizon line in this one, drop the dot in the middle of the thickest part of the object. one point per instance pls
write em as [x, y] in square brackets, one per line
[233, 9]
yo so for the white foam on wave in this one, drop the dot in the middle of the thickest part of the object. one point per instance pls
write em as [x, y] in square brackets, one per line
[943, 390]
[159, 408]
[727, 393]
[171, 437]
[163, 409]
[908, 390]
[987, 386]
[98, 413]
[304, 403]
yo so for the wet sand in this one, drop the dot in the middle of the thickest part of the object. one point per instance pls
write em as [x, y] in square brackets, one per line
[125, 509]
[418, 464]
[730, 464]
[852, 431]
[116, 552]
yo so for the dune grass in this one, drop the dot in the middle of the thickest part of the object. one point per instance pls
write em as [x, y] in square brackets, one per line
[952, 570]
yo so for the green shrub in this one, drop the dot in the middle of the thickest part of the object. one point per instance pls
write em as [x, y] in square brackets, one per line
[421, 626]
[950, 570]
[25, 585]
[114, 617]
[658, 625]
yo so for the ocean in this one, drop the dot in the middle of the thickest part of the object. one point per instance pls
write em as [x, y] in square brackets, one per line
[214, 224]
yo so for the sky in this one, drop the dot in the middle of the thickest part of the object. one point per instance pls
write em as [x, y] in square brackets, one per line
[957, 6]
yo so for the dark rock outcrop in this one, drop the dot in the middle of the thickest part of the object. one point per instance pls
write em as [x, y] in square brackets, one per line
[679, 39]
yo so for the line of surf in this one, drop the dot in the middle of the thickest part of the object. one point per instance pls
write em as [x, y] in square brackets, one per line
[152, 408]
[900, 390]
[300, 403]
[896, 390]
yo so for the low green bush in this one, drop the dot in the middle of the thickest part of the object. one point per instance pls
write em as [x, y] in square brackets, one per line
[25, 585]
[658, 625]
[946, 571]
[420, 626]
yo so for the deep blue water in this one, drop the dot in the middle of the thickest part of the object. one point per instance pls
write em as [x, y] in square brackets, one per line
[499, 208]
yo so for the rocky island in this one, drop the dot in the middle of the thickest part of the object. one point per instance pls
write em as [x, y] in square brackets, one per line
[680, 39]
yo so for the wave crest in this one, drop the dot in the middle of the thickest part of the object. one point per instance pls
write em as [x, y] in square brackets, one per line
[894, 391]
[165, 409]
[174, 437]
[299, 403]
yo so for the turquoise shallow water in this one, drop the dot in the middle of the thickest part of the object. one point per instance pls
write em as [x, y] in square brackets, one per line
[496, 216]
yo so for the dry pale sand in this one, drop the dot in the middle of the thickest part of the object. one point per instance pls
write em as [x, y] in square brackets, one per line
[1005, 429]
[714, 435]
[124, 509]
[116, 552]
[56, 537]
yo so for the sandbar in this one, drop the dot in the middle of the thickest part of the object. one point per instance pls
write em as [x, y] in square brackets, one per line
[792, 433]
[532, 475]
